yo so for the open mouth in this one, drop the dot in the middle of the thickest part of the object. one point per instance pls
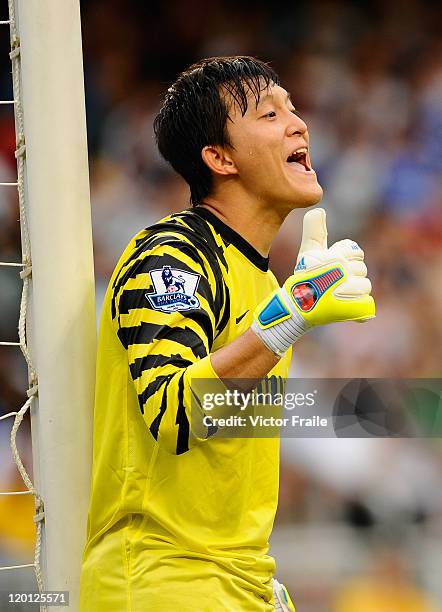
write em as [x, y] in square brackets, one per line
[299, 159]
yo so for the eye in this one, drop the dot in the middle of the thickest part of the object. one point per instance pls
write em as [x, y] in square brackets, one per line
[295, 112]
[270, 115]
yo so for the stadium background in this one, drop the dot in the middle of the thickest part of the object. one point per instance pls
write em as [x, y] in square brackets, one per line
[357, 519]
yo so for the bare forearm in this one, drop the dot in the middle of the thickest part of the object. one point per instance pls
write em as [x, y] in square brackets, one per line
[244, 357]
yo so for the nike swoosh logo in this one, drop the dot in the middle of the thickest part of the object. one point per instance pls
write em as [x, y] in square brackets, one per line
[238, 319]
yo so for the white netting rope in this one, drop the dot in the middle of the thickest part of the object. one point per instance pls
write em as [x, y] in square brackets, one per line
[25, 275]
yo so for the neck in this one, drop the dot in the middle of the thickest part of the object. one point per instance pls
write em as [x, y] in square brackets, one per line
[257, 223]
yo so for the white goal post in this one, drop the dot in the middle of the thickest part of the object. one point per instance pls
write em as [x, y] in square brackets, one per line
[61, 325]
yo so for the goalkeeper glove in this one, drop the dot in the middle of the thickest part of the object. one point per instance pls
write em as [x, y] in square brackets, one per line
[283, 603]
[328, 285]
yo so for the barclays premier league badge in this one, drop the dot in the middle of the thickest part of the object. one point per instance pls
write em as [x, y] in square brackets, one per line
[174, 289]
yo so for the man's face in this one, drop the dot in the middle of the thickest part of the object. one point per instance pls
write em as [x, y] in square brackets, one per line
[271, 151]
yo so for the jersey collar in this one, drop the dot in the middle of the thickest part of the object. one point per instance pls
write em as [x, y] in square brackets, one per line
[230, 236]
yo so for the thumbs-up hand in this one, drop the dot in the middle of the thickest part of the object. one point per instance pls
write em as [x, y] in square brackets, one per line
[328, 285]
[314, 231]
[340, 269]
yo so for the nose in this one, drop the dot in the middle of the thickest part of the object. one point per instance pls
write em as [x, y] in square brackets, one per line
[296, 126]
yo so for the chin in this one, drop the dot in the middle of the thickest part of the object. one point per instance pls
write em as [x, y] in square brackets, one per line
[308, 197]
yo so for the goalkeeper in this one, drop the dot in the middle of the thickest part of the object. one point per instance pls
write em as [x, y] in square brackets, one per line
[179, 518]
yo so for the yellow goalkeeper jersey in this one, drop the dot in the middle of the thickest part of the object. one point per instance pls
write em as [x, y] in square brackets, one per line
[177, 522]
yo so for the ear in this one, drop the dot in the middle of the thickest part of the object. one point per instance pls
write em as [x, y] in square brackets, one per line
[218, 160]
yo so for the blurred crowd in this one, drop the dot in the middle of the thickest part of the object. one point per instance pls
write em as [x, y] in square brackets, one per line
[367, 79]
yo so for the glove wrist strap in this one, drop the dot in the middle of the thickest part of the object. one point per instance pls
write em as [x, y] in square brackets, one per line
[286, 327]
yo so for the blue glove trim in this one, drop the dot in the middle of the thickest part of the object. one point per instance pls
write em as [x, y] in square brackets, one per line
[273, 312]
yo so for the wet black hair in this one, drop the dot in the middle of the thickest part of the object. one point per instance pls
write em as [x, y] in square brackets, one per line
[196, 108]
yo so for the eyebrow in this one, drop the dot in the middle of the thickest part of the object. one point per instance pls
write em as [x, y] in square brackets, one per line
[288, 98]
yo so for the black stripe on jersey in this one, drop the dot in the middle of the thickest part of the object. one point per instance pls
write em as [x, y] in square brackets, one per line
[147, 332]
[131, 299]
[154, 239]
[203, 320]
[274, 380]
[231, 237]
[179, 245]
[151, 389]
[182, 444]
[189, 250]
[119, 282]
[214, 254]
[149, 362]
[226, 312]
[211, 429]
[200, 227]
[155, 426]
